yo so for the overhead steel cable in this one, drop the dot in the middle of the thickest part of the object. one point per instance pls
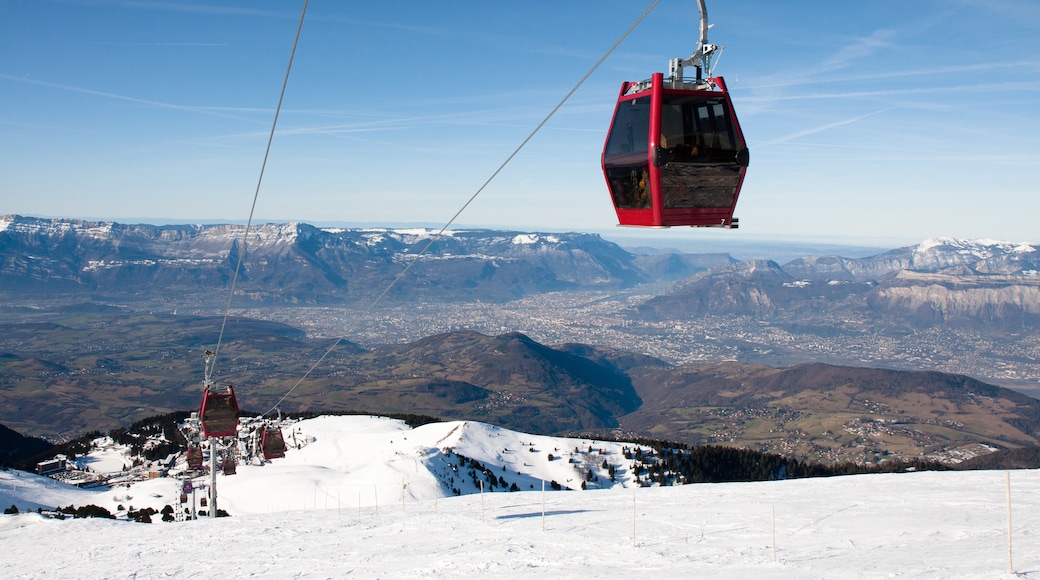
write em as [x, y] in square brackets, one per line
[212, 357]
[436, 236]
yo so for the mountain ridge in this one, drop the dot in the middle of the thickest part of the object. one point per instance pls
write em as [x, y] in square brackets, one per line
[296, 262]
[822, 412]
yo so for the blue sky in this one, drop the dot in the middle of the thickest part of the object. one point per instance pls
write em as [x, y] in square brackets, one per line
[877, 121]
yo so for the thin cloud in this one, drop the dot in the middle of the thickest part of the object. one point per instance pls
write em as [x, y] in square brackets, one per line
[785, 82]
[192, 8]
[177, 44]
[860, 49]
[967, 88]
[813, 130]
[146, 102]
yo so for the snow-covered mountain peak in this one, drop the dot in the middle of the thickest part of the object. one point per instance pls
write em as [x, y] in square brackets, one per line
[981, 256]
[981, 248]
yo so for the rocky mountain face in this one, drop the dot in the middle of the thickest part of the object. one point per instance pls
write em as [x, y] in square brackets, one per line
[298, 263]
[945, 256]
[938, 281]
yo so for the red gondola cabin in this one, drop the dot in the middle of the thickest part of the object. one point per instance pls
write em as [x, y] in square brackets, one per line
[272, 444]
[675, 155]
[195, 458]
[229, 465]
[219, 413]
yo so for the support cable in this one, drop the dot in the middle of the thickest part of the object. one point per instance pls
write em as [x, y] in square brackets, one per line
[436, 236]
[212, 358]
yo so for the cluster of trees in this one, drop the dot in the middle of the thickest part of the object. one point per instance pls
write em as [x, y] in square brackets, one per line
[1022, 458]
[94, 511]
[479, 473]
[86, 511]
[138, 435]
[668, 463]
[15, 447]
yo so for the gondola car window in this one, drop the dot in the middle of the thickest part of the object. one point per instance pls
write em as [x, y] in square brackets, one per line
[631, 129]
[703, 172]
[625, 156]
[696, 130]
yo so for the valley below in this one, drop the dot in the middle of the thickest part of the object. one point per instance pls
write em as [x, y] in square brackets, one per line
[76, 371]
[104, 324]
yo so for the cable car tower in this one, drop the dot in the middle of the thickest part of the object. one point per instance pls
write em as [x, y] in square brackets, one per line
[675, 154]
[218, 417]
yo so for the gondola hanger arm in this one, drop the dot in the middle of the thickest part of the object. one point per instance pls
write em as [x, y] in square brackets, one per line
[700, 59]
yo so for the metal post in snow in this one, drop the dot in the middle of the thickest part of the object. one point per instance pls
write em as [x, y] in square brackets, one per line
[772, 510]
[213, 477]
[633, 517]
[543, 505]
[1007, 484]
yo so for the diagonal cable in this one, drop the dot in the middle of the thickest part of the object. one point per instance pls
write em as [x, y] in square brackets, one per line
[436, 236]
[211, 363]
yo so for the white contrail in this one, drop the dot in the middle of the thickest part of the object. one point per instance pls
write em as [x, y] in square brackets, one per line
[147, 102]
[819, 129]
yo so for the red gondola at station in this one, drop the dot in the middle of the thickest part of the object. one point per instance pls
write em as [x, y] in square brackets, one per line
[675, 154]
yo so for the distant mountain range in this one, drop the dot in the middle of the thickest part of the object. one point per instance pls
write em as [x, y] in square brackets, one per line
[943, 280]
[939, 281]
[300, 264]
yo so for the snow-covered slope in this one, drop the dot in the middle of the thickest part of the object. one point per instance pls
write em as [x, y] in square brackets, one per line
[344, 460]
[367, 497]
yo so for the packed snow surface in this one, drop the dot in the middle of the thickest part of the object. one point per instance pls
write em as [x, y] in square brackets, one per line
[368, 497]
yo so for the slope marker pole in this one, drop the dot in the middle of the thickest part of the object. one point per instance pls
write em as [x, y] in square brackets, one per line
[633, 517]
[1007, 485]
[543, 505]
[772, 510]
